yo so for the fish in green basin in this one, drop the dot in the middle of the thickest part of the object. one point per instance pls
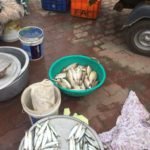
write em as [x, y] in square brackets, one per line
[77, 77]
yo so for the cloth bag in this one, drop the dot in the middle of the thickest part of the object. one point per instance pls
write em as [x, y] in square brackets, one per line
[43, 95]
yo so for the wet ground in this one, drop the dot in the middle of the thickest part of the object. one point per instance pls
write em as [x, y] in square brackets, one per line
[101, 38]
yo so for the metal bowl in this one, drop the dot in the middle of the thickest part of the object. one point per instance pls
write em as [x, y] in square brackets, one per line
[63, 125]
[21, 81]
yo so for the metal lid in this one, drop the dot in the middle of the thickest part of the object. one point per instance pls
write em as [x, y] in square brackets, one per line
[13, 69]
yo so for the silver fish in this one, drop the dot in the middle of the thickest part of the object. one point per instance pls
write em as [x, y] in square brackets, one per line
[72, 144]
[3, 71]
[88, 70]
[81, 133]
[39, 142]
[78, 146]
[30, 142]
[92, 76]
[92, 142]
[66, 83]
[60, 76]
[76, 87]
[38, 126]
[70, 67]
[51, 144]
[91, 147]
[45, 139]
[73, 131]
[70, 78]
[79, 74]
[36, 134]
[82, 86]
[85, 147]
[94, 83]
[74, 74]
[54, 138]
[81, 67]
[53, 130]
[83, 76]
[59, 82]
[42, 129]
[26, 141]
[87, 83]
[49, 134]
[77, 135]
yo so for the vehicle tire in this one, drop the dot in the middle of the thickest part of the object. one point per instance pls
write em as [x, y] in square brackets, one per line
[138, 37]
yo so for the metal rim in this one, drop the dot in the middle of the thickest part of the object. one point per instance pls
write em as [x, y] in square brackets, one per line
[34, 113]
[142, 40]
[14, 71]
[25, 55]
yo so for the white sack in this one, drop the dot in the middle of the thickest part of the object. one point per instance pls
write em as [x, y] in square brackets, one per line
[43, 96]
[10, 10]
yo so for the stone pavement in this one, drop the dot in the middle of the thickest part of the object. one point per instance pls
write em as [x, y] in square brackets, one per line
[101, 38]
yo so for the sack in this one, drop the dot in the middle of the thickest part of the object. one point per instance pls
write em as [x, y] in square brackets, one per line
[132, 130]
[43, 95]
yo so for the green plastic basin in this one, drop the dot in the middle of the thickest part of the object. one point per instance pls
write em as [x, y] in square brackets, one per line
[63, 62]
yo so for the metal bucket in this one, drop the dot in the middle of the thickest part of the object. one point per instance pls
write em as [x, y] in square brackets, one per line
[21, 82]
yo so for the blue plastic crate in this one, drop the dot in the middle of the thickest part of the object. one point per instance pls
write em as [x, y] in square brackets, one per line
[55, 5]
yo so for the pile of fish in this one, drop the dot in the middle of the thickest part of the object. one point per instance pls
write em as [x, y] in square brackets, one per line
[77, 77]
[81, 139]
[44, 138]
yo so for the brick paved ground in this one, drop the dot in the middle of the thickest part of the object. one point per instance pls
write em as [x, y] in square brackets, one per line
[101, 38]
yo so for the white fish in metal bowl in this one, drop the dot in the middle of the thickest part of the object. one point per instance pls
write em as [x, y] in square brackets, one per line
[4, 69]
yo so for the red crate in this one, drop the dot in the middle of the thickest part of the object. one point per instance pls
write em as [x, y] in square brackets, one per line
[81, 8]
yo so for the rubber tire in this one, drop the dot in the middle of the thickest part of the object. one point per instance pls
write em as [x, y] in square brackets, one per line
[131, 31]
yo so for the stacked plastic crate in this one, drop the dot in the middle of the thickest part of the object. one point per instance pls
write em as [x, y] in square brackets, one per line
[82, 8]
[55, 5]
[79, 8]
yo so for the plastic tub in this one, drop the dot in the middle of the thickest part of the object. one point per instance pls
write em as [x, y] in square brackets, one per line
[63, 62]
[28, 107]
[32, 38]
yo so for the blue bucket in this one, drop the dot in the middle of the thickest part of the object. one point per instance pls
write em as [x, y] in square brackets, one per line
[31, 38]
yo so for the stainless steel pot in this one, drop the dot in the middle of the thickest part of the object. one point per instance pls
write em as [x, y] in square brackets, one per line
[21, 82]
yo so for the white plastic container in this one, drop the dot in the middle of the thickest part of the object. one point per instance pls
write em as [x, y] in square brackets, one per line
[10, 32]
[31, 38]
[28, 107]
